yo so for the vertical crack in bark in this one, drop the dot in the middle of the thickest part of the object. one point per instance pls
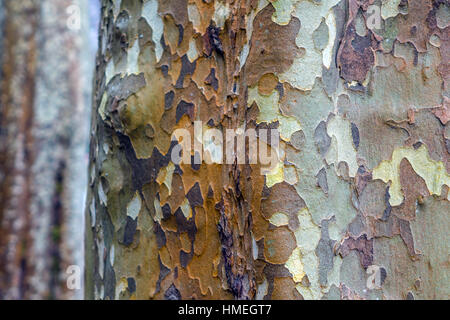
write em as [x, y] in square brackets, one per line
[55, 232]
[236, 252]
[235, 221]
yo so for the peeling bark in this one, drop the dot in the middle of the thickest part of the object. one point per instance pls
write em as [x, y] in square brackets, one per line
[358, 187]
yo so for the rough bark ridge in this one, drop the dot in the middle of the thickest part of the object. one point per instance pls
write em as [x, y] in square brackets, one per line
[43, 116]
[357, 204]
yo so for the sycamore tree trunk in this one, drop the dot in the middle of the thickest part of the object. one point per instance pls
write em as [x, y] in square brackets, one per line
[44, 94]
[355, 203]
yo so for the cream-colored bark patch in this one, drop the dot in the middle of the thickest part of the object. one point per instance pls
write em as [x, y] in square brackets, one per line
[221, 13]
[290, 175]
[327, 55]
[305, 69]
[307, 237]
[186, 208]
[263, 289]
[276, 175]
[295, 266]
[270, 112]
[132, 59]
[150, 13]
[134, 207]
[165, 176]
[389, 8]
[192, 53]
[433, 172]
[194, 17]
[279, 219]
[283, 11]
[102, 108]
[158, 211]
[341, 149]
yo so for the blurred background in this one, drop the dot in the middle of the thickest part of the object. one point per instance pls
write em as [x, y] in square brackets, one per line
[47, 57]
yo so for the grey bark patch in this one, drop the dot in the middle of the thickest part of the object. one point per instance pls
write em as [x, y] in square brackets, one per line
[185, 225]
[180, 34]
[372, 199]
[195, 196]
[321, 138]
[184, 108]
[160, 236]
[363, 177]
[109, 282]
[168, 100]
[320, 36]
[164, 271]
[325, 253]
[165, 70]
[355, 135]
[383, 275]
[211, 123]
[143, 170]
[185, 258]
[355, 199]
[322, 180]
[212, 80]
[122, 88]
[387, 211]
[195, 161]
[298, 140]
[356, 227]
[131, 285]
[417, 145]
[293, 223]
[330, 77]
[187, 68]
[343, 170]
[167, 211]
[210, 193]
[130, 230]
[172, 293]
[279, 87]
[333, 294]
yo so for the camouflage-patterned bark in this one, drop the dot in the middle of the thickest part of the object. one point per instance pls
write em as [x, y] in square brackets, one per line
[357, 205]
[43, 119]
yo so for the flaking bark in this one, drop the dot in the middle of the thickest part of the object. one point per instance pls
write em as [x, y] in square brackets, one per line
[362, 111]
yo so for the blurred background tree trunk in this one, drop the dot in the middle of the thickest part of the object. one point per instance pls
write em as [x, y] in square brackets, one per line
[45, 85]
[357, 205]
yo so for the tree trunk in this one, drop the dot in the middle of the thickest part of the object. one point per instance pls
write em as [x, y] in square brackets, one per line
[44, 87]
[354, 204]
